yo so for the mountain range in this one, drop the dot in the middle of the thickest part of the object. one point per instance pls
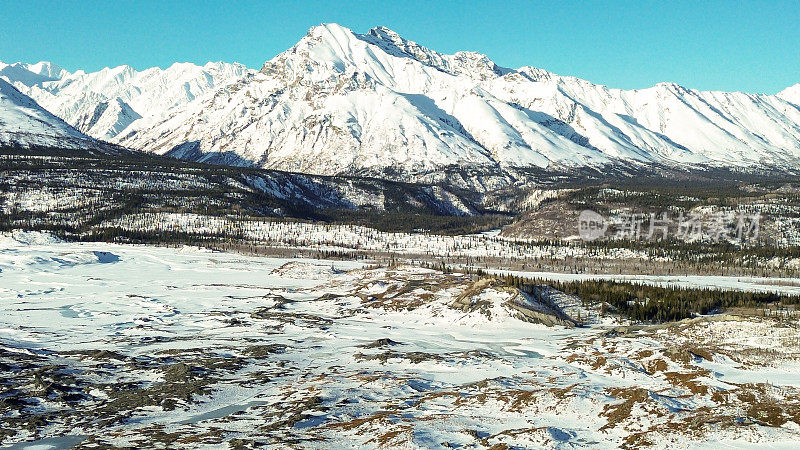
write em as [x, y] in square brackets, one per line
[377, 104]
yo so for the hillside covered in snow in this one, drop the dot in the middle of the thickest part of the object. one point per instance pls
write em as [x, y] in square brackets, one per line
[104, 103]
[24, 122]
[377, 104]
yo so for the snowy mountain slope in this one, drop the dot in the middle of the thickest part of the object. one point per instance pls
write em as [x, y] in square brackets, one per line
[377, 104]
[47, 69]
[341, 102]
[104, 103]
[31, 74]
[791, 94]
[108, 118]
[23, 122]
[336, 103]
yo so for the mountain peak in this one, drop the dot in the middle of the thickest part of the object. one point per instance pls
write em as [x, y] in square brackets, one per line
[332, 33]
[32, 74]
[338, 47]
[104, 103]
[329, 27]
[387, 35]
[47, 69]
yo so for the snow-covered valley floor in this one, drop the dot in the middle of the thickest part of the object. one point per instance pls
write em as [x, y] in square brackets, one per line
[104, 344]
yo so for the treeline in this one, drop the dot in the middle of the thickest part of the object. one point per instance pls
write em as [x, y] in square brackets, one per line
[655, 304]
[409, 222]
[699, 251]
[65, 181]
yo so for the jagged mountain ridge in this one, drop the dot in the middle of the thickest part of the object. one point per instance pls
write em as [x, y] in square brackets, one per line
[102, 104]
[27, 75]
[377, 104]
[342, 102]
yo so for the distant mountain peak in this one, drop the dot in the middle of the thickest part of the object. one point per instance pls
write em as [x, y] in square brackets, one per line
[105, 103]
[31, 74]
[47, 69]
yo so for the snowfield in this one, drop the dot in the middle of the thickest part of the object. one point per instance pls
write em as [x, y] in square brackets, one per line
[104, 344]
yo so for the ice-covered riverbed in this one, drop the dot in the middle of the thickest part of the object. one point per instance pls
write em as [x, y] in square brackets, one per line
[145, 346]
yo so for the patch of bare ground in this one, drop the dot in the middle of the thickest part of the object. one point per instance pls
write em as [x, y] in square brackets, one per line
[620, 413]
[394, 291]
[412, 357]
[400, 435]
[688, 381]
[380, 419]
[766, 404]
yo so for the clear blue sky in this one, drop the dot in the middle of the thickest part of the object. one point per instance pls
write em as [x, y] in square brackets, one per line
[728, 45]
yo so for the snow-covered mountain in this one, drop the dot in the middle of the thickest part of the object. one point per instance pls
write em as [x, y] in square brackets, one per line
[340, 102]
[31, 74]
[791, 94]
[104, 103]
[23, 122]
[375, 103]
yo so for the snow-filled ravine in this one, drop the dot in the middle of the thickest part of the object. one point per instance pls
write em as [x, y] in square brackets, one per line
[104, 344]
